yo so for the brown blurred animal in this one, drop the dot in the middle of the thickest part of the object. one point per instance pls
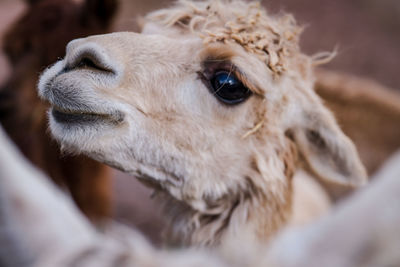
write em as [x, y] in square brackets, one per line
[36, 40]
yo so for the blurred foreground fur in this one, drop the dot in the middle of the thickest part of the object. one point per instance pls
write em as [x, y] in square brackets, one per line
[35, 41]
[46, 229]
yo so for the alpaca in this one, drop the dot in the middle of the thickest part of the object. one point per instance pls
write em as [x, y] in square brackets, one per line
[213, 106]
[38, 38]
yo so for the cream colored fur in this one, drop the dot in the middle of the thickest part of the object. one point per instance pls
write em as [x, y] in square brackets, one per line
[223, 171]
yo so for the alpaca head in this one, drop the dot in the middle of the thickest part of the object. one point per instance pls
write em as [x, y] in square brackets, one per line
[212, 103]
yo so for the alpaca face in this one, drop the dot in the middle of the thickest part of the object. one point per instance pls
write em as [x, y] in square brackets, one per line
[209, 122]
[158, 107]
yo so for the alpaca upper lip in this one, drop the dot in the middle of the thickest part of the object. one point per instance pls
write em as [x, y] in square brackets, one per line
[70, 105]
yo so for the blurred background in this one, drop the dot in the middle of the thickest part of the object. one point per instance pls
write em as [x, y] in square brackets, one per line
[366, 33]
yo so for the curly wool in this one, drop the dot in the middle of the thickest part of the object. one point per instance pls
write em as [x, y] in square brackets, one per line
[275, 40]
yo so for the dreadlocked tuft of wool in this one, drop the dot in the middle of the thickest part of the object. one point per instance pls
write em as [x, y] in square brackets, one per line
[273, 39]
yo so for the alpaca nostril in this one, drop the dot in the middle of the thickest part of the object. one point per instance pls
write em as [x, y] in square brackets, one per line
[88, 57]
[88, 63]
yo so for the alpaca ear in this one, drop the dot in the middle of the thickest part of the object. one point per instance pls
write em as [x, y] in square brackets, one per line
[326, 151]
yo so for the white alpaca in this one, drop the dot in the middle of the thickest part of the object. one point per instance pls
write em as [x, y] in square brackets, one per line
[213, 106]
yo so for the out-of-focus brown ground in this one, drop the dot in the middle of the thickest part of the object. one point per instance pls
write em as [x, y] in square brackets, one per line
[365, 31]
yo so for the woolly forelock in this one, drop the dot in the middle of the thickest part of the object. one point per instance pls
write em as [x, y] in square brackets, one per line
[274, 39]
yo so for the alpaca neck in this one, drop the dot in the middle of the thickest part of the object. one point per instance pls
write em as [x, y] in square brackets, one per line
[251, 217]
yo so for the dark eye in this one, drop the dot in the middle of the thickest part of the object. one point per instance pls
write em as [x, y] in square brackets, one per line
[229, 89]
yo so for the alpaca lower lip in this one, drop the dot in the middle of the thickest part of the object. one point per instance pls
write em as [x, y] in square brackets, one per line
[71, 117]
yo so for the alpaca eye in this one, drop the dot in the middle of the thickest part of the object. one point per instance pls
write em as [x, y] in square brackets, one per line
[229, 89]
